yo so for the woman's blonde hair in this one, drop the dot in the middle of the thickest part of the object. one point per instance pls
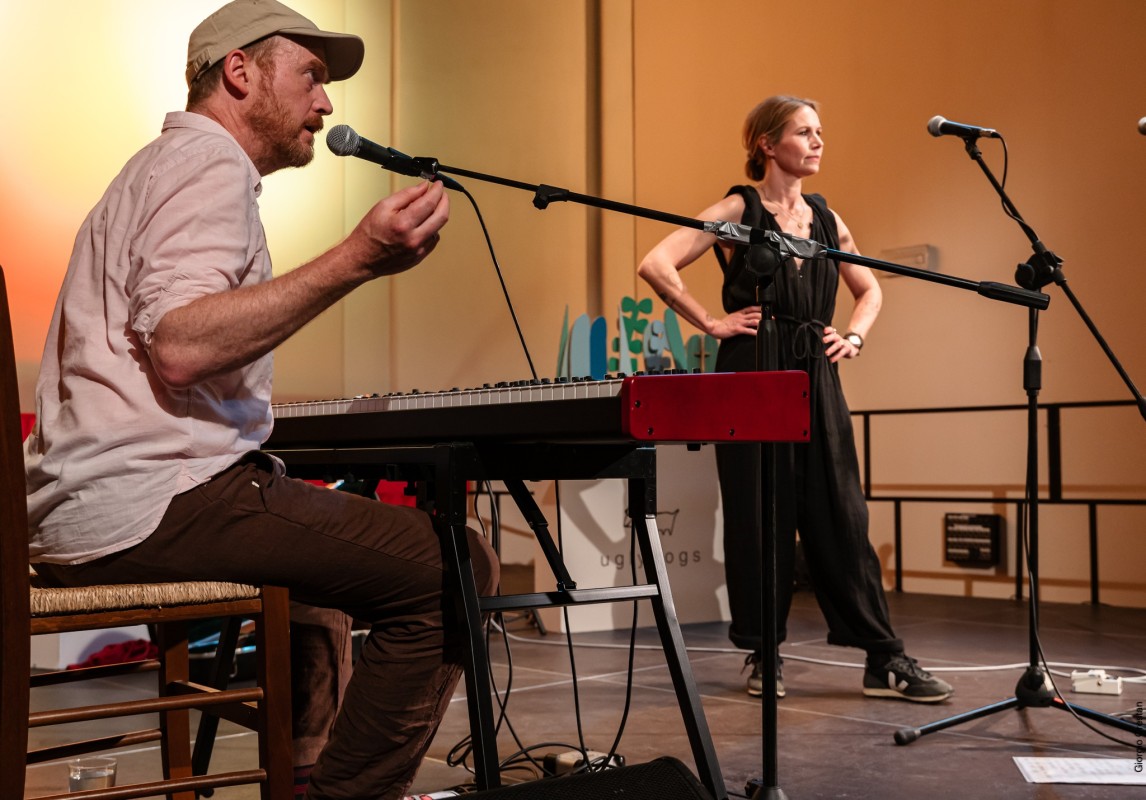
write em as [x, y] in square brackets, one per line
[768, 120]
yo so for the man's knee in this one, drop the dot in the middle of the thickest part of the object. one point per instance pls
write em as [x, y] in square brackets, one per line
[487, 571]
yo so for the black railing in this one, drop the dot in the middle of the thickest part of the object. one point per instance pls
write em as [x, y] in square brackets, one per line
[1052, 456]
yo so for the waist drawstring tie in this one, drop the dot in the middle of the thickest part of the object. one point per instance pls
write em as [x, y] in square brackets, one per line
[808, 338]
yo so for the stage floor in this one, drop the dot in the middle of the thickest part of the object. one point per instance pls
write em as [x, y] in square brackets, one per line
[833, 742]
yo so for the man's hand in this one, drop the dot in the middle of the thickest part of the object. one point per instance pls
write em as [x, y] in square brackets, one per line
[401, 230]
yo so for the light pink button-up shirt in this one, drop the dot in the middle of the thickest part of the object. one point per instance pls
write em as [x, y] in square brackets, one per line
[112, 443]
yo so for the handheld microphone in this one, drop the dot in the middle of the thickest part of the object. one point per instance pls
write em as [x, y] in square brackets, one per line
[941, 126]
[345, 141]
[1142, 126]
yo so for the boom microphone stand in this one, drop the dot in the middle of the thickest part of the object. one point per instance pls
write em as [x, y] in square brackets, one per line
[766, 358]
[766, 788]
[1034, 689]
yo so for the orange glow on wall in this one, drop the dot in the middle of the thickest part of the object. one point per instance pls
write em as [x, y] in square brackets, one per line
[75, 120]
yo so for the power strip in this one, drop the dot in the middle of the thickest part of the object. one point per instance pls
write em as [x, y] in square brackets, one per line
[561, 763]
[1095, 681]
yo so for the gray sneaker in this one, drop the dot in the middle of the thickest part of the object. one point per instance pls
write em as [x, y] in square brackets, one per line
[756, 677]
[901, 677]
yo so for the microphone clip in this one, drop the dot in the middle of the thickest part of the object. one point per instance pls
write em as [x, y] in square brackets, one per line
[549, 194]
[395, 161]
[428, 167]
[1042, 268]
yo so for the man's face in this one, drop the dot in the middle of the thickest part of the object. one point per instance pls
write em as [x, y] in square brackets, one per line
[289, 104]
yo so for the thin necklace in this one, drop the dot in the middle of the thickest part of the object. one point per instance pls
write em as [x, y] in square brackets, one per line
[797, 218]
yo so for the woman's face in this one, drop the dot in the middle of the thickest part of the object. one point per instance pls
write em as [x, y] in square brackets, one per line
[800, 146]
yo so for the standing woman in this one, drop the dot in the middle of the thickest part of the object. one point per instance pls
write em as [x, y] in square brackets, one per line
[818, 488]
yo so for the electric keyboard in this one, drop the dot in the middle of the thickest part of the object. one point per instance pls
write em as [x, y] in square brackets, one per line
[440, 442]
[704, 407]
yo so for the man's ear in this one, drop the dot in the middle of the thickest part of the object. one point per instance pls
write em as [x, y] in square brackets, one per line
[238, 73]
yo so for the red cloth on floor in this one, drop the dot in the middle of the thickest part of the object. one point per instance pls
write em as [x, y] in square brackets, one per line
[120, 653]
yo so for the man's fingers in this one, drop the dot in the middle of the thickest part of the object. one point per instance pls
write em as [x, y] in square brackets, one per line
[425, 212]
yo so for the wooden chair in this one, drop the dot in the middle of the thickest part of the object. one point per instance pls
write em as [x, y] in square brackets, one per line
[29, 610]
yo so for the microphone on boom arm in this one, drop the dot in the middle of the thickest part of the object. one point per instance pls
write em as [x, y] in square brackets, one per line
[345, 141]
[941, 126]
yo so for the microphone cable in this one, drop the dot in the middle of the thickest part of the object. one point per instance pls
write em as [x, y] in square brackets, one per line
[464, 747]
[501, 279]
[343, 140]
[523, 757]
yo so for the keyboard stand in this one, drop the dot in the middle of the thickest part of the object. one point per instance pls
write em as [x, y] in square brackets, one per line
[441, 473]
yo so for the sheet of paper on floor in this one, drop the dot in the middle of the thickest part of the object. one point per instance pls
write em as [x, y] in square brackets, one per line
[1081, 770]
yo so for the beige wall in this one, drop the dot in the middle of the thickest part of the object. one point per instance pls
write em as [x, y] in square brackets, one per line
[642, 101]
[1058, 79]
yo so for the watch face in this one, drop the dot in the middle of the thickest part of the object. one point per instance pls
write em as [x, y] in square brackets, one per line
[855, 339]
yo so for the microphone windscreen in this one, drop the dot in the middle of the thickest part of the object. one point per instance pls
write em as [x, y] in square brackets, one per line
[343, 140]
[933, 125]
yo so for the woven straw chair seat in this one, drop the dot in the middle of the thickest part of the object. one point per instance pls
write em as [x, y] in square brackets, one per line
[49, 601]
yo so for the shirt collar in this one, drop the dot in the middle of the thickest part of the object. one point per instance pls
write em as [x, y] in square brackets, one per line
[200, 122]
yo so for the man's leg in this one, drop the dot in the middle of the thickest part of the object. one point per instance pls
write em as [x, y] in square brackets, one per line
[381, 564]
[320, 657]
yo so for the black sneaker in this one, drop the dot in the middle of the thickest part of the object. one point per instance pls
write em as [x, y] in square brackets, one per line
[756, 677]
[901, 677]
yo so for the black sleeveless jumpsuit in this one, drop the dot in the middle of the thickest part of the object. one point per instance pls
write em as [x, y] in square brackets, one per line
[818, 487]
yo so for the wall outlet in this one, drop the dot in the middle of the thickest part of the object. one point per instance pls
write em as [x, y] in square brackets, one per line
[919, 256]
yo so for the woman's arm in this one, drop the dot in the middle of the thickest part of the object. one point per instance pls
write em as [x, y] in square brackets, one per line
[861, 282]
[661, 269]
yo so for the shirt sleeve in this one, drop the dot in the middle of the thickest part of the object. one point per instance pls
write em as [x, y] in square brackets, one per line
[194, 237]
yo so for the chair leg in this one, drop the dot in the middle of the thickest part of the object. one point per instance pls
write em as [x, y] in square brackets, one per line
[221, 668]
[14, 687]
[272, 646]
[175, 725]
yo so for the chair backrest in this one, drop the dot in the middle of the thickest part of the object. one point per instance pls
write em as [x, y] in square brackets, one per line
[270, 607]
[15, 626]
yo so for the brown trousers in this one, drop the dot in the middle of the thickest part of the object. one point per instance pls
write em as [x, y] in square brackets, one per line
[378, 563]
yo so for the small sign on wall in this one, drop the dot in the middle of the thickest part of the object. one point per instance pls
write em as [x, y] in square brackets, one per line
[972, 540]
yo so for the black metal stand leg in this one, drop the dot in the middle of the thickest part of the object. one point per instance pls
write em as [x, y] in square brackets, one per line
[540, 527]
[642, 511]
[767, 787]
[1032, 691]
[1122, 724]
[443, 489]
[221, 668]
[476, 660]
[525, 503]
[909, 735]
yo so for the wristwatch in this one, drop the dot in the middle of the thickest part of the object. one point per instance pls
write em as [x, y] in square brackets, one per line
[855, 339]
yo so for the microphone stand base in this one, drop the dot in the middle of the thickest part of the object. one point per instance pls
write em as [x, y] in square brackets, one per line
[756, 790]
[1032, 690]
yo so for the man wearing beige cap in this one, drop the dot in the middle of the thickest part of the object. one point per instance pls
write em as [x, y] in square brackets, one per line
[154, 397]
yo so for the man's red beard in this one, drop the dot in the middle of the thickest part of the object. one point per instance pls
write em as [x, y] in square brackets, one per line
[279, 133]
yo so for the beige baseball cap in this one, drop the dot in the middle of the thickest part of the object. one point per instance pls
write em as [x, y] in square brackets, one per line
[243, 22]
